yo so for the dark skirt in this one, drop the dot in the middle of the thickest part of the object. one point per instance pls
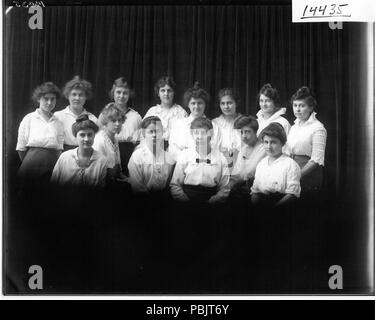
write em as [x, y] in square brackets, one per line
[38, 164]
[311, 182]
[199, 194]
[69, 147]
[126, 150]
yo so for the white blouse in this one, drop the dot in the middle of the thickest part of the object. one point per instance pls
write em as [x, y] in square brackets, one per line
[35, 131]
[189, 171]
[167, 116]
[307, 139]
[247, 161]
[283, 175]
[231, 138]
[130, 129]
[181, 137]
[67, 117]
[107, 148]
[67, 170]
[276, 117]
[148, 173]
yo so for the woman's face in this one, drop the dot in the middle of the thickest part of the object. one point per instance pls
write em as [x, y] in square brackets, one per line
[301, 110]
[248, 135]
[267, 105]
[166, 95]
[228, 106]
[121, 96]
[197, 107]
[153, 133]
[201, 136]
[272, 146]
[85, 138]
[114, 126]
[77, 99]
[47, 102]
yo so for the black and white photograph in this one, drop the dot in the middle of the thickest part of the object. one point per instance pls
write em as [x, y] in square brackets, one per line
[186, 148]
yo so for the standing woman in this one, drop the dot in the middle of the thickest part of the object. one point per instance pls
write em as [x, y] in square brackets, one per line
[270, 109]
[40, 136]
[231, 140]
[77, 91]
[307, 140]
[167, 111]
[122, 94]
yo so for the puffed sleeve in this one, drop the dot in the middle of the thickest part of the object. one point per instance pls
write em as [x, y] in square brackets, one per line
[23, 134]
[223, 185]
[318, 146]
[293, 177]
[255, 188]
[58, 170]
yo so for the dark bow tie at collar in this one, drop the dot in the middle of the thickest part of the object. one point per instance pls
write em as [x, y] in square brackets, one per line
[203, 160]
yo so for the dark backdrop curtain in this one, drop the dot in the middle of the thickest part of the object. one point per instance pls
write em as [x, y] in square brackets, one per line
[220, 46]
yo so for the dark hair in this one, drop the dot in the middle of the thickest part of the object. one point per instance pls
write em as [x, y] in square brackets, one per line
[304, 93]
[121, 83]
[163, 81]
[83, 123]
[78, 83]
[196, 92]
[233, 93]
[45, 88]
[271, 93]
[274, 130]
[201, 123]
[110, 112]
[149, 120]
[243, 121]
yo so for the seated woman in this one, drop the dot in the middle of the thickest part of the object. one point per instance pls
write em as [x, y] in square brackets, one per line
[307, 141]
[277, 177]
[40, 137]
[82, 166]
[167, 111]
[229, 100]
[122, 94]
[150, 166]
[77, 91]
[270, 110]
[196, 99]
[110, 121]
[201, 173]
[252, 151]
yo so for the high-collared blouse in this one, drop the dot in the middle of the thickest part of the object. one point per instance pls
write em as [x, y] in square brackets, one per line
[276, 117]
[35, 131]
[307, 139]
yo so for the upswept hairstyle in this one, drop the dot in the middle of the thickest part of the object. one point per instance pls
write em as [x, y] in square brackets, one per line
[83, 123]
[243, 121]
[201, 123]
[78, 83]
[110, 113]
[121, 83]
[196, 92]
[45, 88]
[274, 130]
[270, 92]
[163, 81]
[232, 92]
[305, 94]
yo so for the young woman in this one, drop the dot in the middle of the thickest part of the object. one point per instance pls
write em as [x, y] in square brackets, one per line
[201, 174]
[270, 110]
[150, 166]
[229, 100]
[196, 99]
[77, 91]
[110, 121]
[122, 95]
[167, 111]
[277, 176]
[40, 136]
[82, 166]
[307, 140]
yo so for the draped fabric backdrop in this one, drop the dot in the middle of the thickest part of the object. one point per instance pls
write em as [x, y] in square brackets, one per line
[219, 46]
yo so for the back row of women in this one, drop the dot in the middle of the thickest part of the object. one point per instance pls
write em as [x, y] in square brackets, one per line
[194, 158]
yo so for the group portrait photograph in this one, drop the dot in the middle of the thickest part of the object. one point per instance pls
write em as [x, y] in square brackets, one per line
[188, 147]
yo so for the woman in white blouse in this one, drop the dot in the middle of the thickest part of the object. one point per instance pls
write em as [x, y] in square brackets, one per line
[83, 166]
[40, 136]
[307, 140]
[270, 109]
[122, 95]
[150, 166]
[277, 176]
[168, 111]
